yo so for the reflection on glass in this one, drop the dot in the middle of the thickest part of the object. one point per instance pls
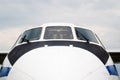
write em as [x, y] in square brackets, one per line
[33, 34]
[84, 34]
[58, 32]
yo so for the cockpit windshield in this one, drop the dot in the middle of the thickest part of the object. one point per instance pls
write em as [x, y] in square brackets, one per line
[58, 32]
[85, 34]
[32, 34]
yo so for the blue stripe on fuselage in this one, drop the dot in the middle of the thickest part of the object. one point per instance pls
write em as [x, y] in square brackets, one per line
[112, 70]
[4, 71]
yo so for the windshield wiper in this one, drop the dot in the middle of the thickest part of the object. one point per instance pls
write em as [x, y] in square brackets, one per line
[85, 38]
[25, 40]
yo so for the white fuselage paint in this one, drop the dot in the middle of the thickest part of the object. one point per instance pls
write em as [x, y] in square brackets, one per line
[58, 63]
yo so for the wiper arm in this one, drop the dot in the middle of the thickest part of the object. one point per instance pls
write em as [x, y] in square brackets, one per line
[85, 38]
[25, 40]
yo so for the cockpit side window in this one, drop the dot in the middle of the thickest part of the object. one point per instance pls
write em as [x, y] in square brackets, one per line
[58, 32]
[32, 34]
[84, 34]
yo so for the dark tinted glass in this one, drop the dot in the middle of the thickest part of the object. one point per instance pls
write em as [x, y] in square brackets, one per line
[84, 34]
[33, 34]
[58, 32]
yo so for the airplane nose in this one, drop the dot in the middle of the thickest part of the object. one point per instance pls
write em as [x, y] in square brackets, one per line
[56, 63]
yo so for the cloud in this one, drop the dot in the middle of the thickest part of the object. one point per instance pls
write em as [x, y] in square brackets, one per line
[83, 11]
[9, 36]
[104, 16]
[109, 37]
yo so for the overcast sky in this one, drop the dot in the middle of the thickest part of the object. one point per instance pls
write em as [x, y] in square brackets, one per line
[101, 16]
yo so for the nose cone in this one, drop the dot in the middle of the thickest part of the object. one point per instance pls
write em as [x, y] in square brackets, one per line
[55, 63]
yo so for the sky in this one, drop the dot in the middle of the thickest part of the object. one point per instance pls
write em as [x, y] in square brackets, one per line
[101, 16]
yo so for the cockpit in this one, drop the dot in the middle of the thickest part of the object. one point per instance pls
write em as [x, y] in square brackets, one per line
[51, 32]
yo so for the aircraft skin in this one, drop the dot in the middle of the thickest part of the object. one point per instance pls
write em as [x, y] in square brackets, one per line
[72, 53]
